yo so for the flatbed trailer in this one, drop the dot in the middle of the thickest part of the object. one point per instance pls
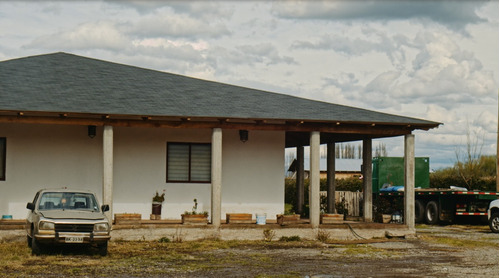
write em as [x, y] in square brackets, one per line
[434, 205]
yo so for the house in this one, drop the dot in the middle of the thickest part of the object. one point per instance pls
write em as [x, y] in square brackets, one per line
[128, 132]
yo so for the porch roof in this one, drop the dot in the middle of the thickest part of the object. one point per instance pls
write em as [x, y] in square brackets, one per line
[70, 89]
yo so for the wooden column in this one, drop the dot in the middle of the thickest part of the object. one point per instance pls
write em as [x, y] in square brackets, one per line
[367, 181]
[107, 173]
[299, 181]
[314, 179]
[330, 177]
[409, 200]
[216, 177]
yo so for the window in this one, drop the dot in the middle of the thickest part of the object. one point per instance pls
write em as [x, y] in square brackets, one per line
[68, 201]
[189, 162]
[3, 144]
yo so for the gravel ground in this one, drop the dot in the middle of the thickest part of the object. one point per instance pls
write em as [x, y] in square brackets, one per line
[436, 251]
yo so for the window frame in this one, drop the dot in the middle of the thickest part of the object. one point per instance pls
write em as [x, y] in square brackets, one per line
[189, 144]
[3, 159]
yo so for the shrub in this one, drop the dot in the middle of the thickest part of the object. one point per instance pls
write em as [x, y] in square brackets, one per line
[290, 238]
[268, 235]
[322, 236]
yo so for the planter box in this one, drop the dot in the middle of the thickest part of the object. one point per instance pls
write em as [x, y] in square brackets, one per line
[239, 218]
[287, 219]
[331, 218]
[127, 219]
[194, 219]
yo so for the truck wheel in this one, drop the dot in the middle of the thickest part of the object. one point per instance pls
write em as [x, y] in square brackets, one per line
[432, 213]
[419, 211]
[494, 222]
[36, 249]
[103, 249]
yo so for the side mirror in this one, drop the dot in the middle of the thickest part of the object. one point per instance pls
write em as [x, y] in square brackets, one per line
[30, 206]
[105, 208]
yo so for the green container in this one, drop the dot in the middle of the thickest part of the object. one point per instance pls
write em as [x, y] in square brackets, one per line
[390, 170]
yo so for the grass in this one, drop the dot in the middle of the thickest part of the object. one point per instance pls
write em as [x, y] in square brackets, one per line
[141, 258]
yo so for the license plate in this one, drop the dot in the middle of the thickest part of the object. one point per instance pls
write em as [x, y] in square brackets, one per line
[74, 239]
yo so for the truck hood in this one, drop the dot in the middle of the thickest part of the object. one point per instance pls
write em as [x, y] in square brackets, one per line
[68, 214]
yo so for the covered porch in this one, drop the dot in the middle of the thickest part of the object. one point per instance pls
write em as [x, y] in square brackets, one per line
[134, 114]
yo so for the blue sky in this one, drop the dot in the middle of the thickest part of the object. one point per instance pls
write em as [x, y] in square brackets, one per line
[436, 60]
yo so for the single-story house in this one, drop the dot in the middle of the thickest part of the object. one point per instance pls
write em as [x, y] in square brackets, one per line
[127, 132]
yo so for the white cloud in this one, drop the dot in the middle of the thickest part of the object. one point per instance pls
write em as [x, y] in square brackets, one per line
[176, 25]
[436, 60]
[99, 35]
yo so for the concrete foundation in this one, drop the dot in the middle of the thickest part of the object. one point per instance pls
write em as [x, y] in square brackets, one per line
[178, 232]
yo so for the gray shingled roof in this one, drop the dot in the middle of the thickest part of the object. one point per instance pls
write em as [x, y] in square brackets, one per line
[68, 83]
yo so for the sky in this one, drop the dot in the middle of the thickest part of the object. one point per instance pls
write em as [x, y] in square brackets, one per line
[434, 60]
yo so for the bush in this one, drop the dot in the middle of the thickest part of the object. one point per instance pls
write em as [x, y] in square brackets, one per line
[290, 238]
[483, 180]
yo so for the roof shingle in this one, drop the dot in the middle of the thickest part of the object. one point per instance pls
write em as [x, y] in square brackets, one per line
[68, 83]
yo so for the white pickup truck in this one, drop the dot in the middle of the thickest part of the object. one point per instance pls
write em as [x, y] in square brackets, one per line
[64, 216]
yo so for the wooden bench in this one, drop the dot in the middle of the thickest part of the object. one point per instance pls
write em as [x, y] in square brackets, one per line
[239, 218]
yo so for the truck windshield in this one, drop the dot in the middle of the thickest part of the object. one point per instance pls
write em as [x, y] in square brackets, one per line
[68, 201]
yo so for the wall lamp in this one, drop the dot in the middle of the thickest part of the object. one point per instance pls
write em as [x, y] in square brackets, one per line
[91, 131]
[243, 135]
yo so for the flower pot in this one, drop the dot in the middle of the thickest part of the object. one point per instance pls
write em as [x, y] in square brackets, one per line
[156, 208]
[386, 218]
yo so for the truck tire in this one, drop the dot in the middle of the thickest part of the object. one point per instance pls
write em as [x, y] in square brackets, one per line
[36, 248]
[494, 222]
[419, 211]
[103, 248]
[432, 213]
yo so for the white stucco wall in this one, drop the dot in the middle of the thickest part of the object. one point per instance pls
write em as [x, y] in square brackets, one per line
[47, 156]
[51, 156]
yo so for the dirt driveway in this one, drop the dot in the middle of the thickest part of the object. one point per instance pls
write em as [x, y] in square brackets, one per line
[437, 251]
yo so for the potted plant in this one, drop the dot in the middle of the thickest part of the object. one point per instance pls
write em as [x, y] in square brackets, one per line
[382, 209]
[289, 217]
[156, 207]
[194, 216]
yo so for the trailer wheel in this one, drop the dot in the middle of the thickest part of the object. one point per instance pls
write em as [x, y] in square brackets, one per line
[419, 211]
[432, 213]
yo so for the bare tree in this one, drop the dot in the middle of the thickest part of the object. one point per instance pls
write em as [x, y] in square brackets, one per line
[469, 162]
[380, 150]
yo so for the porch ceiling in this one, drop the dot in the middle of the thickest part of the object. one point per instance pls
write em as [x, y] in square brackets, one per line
[297, 133]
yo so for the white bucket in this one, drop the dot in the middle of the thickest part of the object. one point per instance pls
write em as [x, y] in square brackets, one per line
[261, 218]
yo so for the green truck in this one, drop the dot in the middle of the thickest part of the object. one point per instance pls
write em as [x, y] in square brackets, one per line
[432, 205]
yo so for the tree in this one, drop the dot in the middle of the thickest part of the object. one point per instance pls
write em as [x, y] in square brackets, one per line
[380, 150]
[469, 162]
[476, 171]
